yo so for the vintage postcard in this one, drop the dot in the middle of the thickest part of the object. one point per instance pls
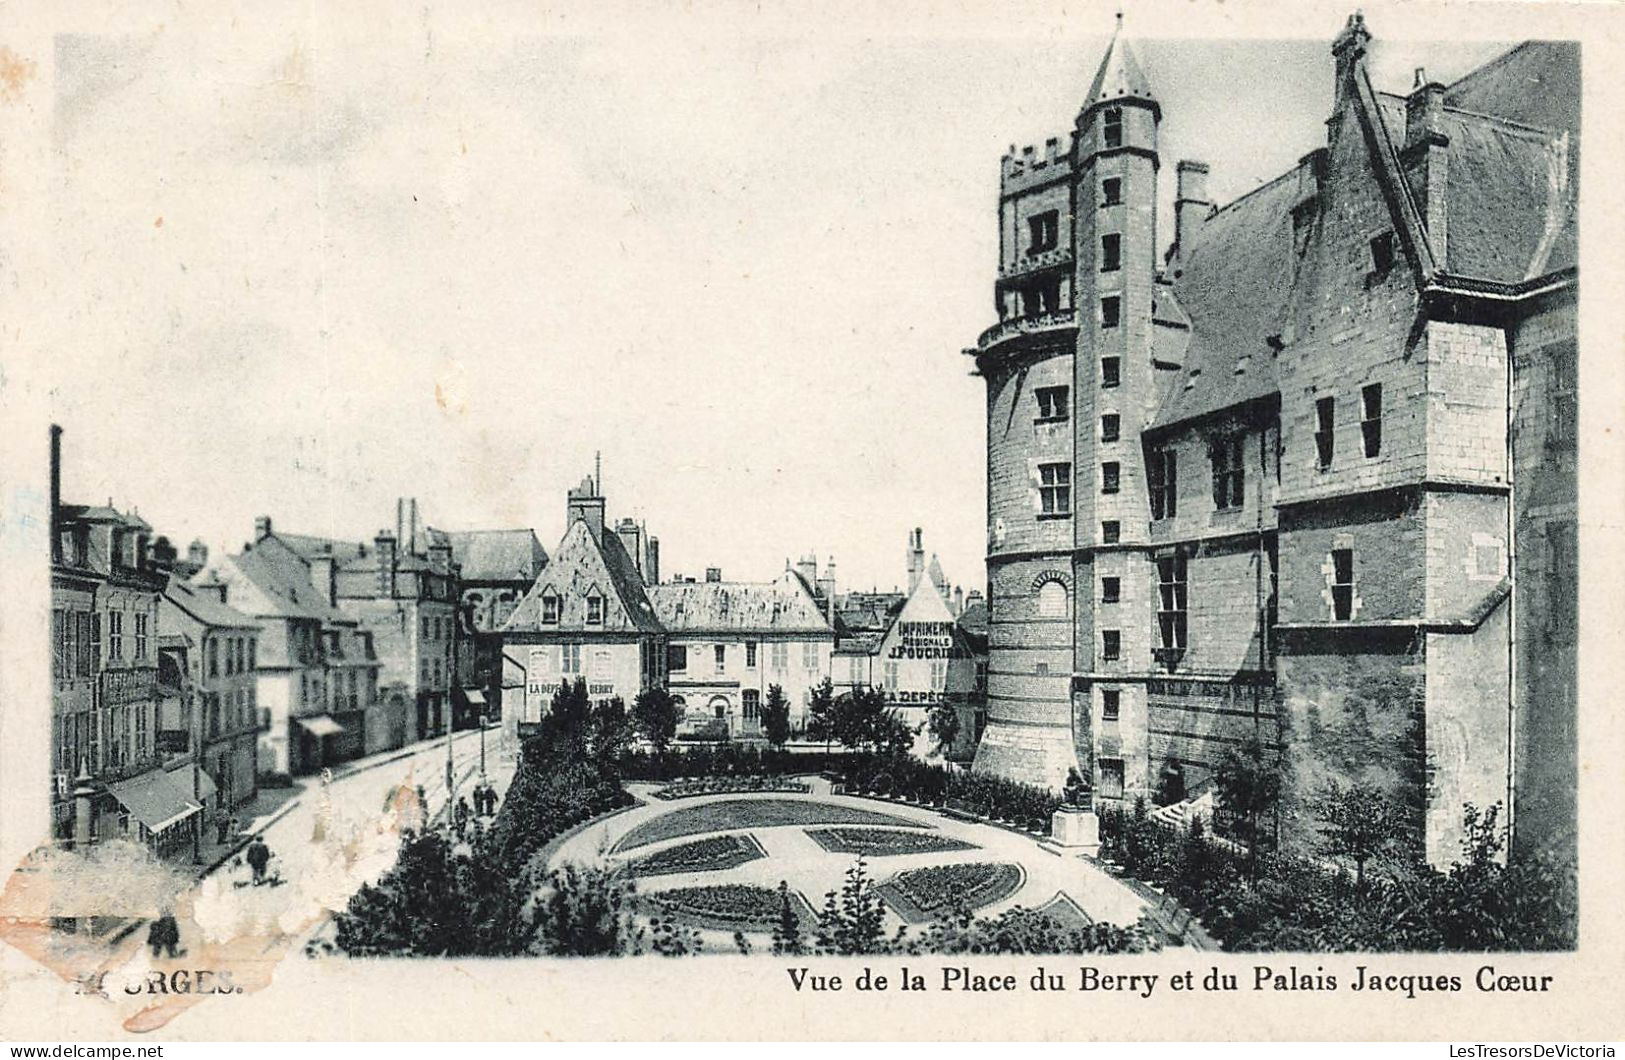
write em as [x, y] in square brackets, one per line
[962, 520]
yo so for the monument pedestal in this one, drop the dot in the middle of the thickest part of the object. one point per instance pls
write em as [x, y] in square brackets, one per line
[1075, 831]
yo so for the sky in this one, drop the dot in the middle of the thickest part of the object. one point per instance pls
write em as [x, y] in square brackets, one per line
[309, 265]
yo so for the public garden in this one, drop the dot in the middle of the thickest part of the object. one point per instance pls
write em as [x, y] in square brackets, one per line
[611, 841]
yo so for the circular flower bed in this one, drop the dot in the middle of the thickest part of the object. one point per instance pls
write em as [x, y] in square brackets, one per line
[734, 814]
[880, 842]
[711, 854]
[685, 789]
[929, 893]
[725, 907]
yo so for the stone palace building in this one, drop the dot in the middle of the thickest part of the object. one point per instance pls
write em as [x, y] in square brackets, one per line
[1304, 471]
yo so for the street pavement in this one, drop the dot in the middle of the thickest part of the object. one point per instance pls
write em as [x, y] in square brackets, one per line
[336, 836]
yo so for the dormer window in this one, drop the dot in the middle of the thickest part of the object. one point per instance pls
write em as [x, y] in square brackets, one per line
[595, 610]
[1112, 129]
[550, 609]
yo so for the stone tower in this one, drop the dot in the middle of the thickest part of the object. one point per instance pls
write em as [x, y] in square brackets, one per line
[1115, 380]
[1070, 382]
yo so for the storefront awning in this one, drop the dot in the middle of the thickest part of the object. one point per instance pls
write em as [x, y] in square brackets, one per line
[154, 799]
[320, 725]
[181, 777]
[475, 696]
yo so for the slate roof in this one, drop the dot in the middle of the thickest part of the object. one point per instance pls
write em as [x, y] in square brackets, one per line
[1235, 286]
[309, 546]
[1512, 194]
[781, 606]
[624, 579]
[206, 606]
[284, 577]
[496, 555]
[628, 583]
[1120, 74]
[1512, 200]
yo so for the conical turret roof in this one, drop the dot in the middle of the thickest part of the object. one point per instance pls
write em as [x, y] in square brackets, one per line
[1120, 74]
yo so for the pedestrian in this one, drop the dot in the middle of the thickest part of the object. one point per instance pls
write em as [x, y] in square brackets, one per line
[490, 799]
[222, 825]
[164, 935]
[462, 813]
[259, 856]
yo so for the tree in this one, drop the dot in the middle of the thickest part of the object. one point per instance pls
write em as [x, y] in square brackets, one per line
[856, 719]
[821, 713]
[568, 717]
[944, 726]
[1356, 823]
[1250, 786]
[776, 716]
[787, 938]
[852, 921]
[586, 912]
[892, 736]
[611, 731]
[654, 713]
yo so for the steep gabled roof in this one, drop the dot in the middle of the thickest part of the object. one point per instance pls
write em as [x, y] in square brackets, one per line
[283, 577]
[780, 606]
[309, 546]
[496, 555]
[1511, 200]
[579, 563]
[206, 607]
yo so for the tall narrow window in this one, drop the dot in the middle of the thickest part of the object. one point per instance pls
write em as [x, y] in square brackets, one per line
[750, 701]
[1112, 127]
[595, 610]
[1044, 230]
[1342, 584]
[1052, 600]
[1110, 427]
[550, 609]
[1110, 374]
[1163, 471]
[1111, 311]
[1111, 476]
[721, 651]
[750, 655]
[1111, 252]
[1055, 489]
[1229, 479]
[115, 634]
[1111, 191]
[1382, 253]
[569, 658]
[1111, 644]
[1111, 590]
[1052, 403]
[1111, 704]
[1111, 531]
[1371, 418]
[1171, 600]
[1323, 431]
[1564, 408]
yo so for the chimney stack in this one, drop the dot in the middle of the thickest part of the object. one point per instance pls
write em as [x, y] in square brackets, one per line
[713, 574]
[631, 540]
[959, 601]
[585, 504]
[1191, 207]
[916, 559]
[384, 545]
[654, 561]
[1426, 158]
[197, 554]
[322, 575]
[262, 528]
[56, 493]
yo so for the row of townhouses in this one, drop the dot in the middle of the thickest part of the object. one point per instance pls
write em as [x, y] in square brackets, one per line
[181, 685]
[601, 613]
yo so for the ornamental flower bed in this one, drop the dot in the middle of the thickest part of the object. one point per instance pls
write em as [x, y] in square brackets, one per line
[725, 906]
[881, 842]
[685, 789]
[711, 854]
[932, 892]
[733, 814]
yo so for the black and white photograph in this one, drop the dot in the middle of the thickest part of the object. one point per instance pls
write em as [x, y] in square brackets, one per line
[1048, 501]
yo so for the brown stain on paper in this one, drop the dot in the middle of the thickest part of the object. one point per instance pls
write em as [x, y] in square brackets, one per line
[15, 72]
